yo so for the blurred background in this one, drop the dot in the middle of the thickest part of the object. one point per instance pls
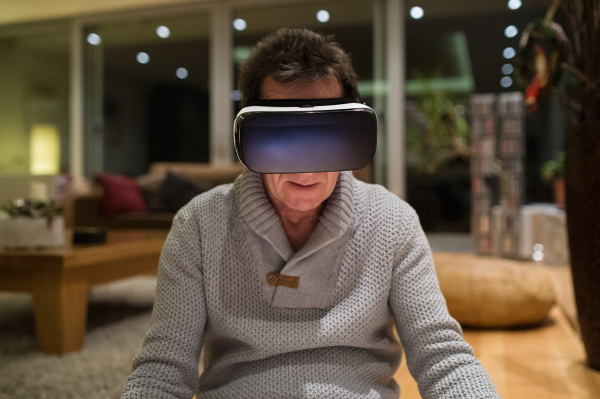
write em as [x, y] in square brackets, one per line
[115, 87]
[102, 99]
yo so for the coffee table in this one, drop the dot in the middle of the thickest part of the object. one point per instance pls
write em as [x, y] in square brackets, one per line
[60, 280]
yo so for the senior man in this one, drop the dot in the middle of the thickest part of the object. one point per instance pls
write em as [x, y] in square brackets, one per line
[362, 261]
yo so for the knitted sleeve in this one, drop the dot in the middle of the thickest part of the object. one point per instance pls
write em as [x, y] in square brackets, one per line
[438, 358]
[167, 366]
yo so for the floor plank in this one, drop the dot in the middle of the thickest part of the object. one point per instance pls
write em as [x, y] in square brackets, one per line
[544, 362]
[565, 296]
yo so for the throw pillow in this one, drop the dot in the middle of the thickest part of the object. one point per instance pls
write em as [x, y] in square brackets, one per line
[174, 193]
[120, 194]
[149, 185]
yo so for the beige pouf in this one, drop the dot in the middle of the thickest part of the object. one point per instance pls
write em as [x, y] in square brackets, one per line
[493, 292]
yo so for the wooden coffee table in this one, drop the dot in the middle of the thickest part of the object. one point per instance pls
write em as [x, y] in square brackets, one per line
[60, 280]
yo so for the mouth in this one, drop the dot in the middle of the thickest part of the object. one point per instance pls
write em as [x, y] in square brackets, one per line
[303, 187]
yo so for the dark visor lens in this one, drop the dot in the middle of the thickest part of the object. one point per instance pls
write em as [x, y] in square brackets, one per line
[308, 142]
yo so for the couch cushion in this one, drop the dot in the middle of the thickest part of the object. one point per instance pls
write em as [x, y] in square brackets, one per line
[149, 185]
[120, 194]
[200, 173]
[493, 292]
[174, 193]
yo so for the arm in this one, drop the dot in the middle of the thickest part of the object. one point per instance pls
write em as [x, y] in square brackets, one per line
[438, 358]
[167, 366]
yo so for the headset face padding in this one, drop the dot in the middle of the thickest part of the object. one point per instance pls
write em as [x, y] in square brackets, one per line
[304, 136]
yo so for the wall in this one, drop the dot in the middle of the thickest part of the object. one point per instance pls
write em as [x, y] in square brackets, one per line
[30, 75]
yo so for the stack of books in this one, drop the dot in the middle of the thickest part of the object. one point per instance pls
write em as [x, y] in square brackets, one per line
[483, 169]
[511, 120]
[497, 176]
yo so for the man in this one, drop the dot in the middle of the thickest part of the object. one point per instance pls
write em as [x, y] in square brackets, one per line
[363, 263]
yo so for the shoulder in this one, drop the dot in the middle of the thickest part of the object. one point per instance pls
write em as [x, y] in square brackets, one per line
[375, 203]
[211, 205]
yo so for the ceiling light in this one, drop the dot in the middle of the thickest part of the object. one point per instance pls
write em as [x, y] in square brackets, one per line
[507, 69]
[94, 39]
[143, 58]
[509, 52]
[323, 16]
[163, 32]
[181, 73]
[514, 4]
[506, 82]
[236, 95]
[239, 24]
[416, 12]
[511, 31]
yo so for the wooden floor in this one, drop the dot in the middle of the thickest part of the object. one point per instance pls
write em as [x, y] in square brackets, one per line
[544, 362]
[563, 289]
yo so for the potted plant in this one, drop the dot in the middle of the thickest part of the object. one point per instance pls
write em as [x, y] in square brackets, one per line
[555, 170]
[580, 58]
[32, 223]
[437, 130]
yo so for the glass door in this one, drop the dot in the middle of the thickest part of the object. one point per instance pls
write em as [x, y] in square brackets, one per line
[146, 92]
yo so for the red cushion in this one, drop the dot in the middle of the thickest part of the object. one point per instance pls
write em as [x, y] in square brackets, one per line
[120, 194]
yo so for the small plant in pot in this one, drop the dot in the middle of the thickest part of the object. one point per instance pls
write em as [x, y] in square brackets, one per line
[555, 170]
[32, 223]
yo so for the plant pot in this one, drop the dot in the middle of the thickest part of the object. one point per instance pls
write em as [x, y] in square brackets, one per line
[559, 192]
[24, 232]
[582, 176]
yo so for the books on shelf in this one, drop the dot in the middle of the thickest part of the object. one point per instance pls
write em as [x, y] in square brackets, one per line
[497, 173]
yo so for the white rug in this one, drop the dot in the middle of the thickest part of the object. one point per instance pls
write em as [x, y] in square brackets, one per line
[118, 317]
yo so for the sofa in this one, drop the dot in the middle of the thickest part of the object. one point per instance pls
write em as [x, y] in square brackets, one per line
[88, 210]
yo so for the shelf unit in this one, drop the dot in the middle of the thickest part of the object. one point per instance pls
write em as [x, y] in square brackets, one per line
[497, 179]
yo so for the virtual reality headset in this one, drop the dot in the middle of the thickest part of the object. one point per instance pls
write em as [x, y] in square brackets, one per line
[304, 136]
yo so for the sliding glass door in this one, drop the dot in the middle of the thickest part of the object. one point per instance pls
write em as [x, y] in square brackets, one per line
[146, 92]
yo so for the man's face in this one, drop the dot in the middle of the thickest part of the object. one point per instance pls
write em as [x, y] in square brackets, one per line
[300, 191]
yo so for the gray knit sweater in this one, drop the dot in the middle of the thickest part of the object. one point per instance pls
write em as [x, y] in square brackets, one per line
[366, 267]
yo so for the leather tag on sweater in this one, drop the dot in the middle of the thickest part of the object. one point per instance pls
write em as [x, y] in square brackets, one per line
[276, 279]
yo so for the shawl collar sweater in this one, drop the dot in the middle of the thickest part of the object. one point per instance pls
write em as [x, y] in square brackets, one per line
[366, 268]
[317, 263]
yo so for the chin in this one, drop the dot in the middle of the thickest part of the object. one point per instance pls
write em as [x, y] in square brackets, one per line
[303, 204]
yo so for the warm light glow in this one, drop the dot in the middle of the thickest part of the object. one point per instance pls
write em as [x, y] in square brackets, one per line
[239, 24]
[163, 32]
[323, 16]
[506, 82]
[143, 58]
[514, 4]
[511, 31]
[507, 69]
[94, 39]
[44, 147]
[417, 12]
[509, 53]
[181, 73]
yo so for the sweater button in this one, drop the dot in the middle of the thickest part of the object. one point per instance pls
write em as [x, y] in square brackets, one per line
[272, 279]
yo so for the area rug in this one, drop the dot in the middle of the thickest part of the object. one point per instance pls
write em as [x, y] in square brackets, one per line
[118, 318]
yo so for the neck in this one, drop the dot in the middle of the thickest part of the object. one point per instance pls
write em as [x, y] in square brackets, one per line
[297, 225]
